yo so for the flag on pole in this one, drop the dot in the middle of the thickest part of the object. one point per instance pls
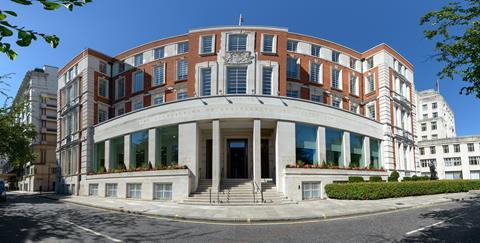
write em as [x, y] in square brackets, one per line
[240, 20]
[437, 86]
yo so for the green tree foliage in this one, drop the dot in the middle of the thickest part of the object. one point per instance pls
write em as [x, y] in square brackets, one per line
[15, 136]
[25, 36]
[456, 30]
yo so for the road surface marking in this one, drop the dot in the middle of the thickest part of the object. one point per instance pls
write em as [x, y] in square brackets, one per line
[428, 226]
[93, 232]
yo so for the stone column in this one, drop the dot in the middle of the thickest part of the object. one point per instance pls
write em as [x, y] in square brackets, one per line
[188, 150]
[152, 139]
[346, 149]
[257, 153]
[321, 145]
[366, 151]
[126, 152]
[107, 155]
[284, 151]
[216, 145]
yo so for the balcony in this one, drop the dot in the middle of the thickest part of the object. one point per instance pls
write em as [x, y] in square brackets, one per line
[401, 99]
[49, 118]
[403, 134]
[49, 130]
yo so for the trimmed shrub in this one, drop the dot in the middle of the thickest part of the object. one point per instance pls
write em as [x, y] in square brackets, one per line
[355, 179]
[373, 191]
[375, 179]
[394, 176]
[406, 178]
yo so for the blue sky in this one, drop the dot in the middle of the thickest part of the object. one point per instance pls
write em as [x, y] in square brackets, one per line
[112, 26]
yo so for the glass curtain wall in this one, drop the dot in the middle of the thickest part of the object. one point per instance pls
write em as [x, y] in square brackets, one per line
[139, 149]
[334, 144]
[374, 153]
[357, 158]
[166, 146]
[99, 160]
[117, 153]
[306, 144]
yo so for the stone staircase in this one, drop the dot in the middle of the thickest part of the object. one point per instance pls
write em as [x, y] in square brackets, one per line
[235, 192]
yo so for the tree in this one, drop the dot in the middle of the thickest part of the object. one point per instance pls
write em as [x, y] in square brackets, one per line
[25, 36]
[456, 29]
[15, 135]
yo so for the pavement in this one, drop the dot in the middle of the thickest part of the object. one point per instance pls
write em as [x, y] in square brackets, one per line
[34, 218]
[301, 211]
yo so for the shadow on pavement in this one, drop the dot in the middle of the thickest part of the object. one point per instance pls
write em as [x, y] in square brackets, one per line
[461, 224]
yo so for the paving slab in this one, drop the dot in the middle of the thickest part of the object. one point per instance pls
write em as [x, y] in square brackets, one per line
[305, 210]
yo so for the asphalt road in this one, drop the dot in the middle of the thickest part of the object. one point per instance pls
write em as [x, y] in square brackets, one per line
[35, 219]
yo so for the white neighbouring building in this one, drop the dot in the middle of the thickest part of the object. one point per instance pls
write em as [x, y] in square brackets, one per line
[454, 157]
[38, 89]
[231, 108]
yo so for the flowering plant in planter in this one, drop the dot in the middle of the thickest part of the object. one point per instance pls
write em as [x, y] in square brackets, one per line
[146, 167]
[331, 166]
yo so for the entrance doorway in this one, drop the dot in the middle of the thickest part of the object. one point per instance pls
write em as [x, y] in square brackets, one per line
[237, 158]
[208, 159]
[265, 159]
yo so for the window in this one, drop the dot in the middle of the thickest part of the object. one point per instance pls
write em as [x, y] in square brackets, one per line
[166, 145]
[424, 127]
[103, 88]
[162, 191]
[357, 158]
[137, 82]
[121, 66]
[424, 137]
[138, 105]
[474, 174]
[434, 136]
[102, 115]
[374, 153]
[120, 88]
[474, 160]
[237, 42]
[315, 50]
[159, 74]
[370, 83]
[434, 105]
[93, 189]
[117, 152]
[371, 111]
[424, 107]
[292, 45]
[138, 60]
[434, 125]
[159, 53]
[422, 151]
[102, 67]
[311, 190]
[334, 146]
[99, 157]
[435, 114]
[71, 73]
[205, 81]
[266, 80]
[456, 148]
[182, 69]
[471, 147]
[182, 95]
[236, 80]
[316, 72]
[293, 93]
[335, 56]
[336, 83]
[134, 190]
[111, 190]
[369, 62]
[306, 144]
[353, 63]
[445, 149]
[353, 108]
[268, 43]
[353, 84]
[139, 149]
[432, 150]
[120, 111]
[207, 44]
[316, 96]
[425, 116]
[453, 161]
[158, 99]
[426, 162]
[182, 47]
[293, 68]
[336, 102]
[450, 175]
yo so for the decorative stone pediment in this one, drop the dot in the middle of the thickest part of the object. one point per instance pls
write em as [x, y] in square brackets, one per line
[243, 57]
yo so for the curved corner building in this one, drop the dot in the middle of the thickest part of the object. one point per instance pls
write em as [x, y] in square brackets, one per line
[231, 109]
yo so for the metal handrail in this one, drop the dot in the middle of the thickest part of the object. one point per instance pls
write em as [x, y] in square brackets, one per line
[210, 197]
[253, 191]
[259, 189]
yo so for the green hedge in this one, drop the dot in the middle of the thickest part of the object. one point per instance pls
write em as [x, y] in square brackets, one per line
[355, 179]
[416, 178]
[375, 179]
[372, 191]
